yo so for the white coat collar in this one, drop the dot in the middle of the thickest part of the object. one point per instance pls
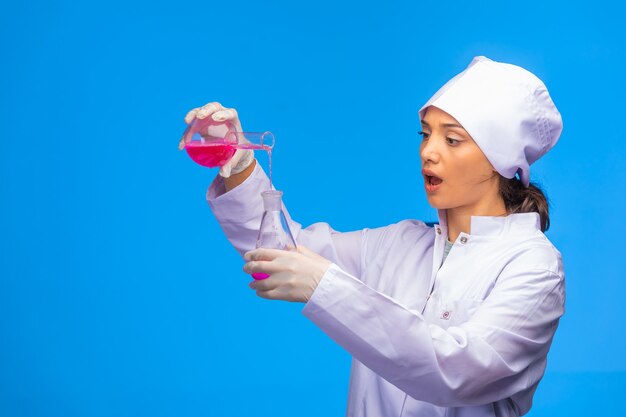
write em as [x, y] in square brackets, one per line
[494, 225]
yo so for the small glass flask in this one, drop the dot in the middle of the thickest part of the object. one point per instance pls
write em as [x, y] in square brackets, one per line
[274, 232]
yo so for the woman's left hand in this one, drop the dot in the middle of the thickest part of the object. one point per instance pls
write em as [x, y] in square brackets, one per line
[294, 275]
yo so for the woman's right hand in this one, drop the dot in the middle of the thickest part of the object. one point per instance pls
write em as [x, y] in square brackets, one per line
[242, 157]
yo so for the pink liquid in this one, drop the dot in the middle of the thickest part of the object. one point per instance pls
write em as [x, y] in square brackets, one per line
[211, 154]
[218, 153]
[260, 275]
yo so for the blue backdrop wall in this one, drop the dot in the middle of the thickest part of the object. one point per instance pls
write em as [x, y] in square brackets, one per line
[119, 294]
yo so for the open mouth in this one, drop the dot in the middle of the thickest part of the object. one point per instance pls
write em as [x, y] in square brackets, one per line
[432, 180]
[432, 183]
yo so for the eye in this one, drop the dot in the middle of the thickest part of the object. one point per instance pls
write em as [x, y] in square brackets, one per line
[452, 142]
[424, 135]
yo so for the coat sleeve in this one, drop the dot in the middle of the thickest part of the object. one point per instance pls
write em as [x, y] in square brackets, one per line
[500, 351]
[239, 214]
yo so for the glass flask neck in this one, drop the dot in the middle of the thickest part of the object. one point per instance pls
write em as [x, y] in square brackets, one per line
[272, 200]
[274, 232]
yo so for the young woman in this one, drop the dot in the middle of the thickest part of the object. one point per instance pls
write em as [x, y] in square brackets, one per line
[451, 320]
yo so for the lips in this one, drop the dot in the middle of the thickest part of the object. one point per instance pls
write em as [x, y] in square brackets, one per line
[431, 180]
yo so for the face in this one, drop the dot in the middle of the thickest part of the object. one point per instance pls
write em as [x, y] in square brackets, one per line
[457, 175]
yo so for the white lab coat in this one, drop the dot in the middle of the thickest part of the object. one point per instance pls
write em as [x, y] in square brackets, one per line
[476, 346]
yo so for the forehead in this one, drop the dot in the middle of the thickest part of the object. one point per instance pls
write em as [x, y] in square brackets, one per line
[435, 116]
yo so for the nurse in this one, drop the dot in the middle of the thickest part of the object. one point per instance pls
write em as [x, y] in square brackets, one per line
[451, 320]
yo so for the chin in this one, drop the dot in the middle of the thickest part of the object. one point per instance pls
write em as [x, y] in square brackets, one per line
[436, 202]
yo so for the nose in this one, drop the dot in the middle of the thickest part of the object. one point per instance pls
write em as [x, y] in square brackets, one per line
[429, 152]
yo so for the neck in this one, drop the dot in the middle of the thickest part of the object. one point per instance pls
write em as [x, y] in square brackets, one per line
[459, 218]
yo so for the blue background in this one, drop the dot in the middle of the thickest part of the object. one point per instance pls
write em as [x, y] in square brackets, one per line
[119, 294]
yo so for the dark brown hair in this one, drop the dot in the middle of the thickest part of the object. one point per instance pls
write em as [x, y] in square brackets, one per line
[519, 199]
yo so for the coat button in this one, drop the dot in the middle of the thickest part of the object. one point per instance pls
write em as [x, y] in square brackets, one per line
[438, 231]
[463, 239]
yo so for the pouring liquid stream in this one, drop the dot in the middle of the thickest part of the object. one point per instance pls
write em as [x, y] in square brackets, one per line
[217, 153]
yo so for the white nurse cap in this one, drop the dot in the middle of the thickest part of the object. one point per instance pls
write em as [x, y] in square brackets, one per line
[506, 109]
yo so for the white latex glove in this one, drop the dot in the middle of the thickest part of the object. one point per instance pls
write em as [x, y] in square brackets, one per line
[242, 157]
[294, 275]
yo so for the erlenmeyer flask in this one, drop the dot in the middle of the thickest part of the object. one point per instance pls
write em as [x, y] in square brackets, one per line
[274, 232]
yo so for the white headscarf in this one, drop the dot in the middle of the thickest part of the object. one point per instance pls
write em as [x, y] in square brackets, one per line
[506, 109]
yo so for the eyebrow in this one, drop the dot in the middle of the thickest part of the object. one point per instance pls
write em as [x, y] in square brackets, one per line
[424, 122]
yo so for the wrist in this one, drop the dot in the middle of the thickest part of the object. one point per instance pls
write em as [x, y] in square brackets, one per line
[244, 162]
[237, 179]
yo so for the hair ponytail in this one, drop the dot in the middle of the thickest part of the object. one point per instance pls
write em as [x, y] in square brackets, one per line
[519, 199]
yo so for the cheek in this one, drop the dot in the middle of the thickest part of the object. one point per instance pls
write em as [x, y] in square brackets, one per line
[479, 160]
[482, 168]
[472, 169]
